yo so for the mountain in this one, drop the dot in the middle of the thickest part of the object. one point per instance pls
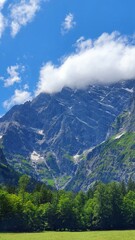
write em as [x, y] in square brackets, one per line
[47, 137]
[112, 160]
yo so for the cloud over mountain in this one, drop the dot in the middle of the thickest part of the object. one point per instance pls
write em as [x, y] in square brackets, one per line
[108, 59]
[19, 97]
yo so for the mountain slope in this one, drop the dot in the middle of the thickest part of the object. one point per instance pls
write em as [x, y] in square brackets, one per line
[7, 174]
[43, 138]
[112, 160]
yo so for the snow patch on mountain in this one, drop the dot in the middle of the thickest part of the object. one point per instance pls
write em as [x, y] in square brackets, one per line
[118, 136]
[131, 90]
[36, 157]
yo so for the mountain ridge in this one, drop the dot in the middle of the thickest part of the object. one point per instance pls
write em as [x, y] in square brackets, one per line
[43, 137]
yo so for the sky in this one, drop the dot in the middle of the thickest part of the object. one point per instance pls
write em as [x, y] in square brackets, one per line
[46, 45]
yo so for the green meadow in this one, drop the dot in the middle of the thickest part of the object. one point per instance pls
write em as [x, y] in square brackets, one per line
[103, 235]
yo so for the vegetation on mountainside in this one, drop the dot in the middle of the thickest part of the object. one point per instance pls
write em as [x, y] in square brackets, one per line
[103, 207]
[119, 153]
[113, 160]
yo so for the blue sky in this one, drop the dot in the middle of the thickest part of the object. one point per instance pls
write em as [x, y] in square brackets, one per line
[36, 32]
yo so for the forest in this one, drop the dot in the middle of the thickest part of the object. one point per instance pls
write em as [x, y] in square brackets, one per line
[34, 208]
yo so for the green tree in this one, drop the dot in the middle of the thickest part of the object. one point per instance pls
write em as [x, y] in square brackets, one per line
[129, 210]
[66, 213]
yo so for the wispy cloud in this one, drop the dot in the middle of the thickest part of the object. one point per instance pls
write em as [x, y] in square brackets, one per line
[13, 75]
[68, 23]
[22, 13]
[3, 21]
[82, 44]
[2, 3]
[19, 97]
[3, 24]
[26, 86]
[108, 59]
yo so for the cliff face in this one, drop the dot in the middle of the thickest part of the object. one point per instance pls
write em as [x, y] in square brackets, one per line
[44, 137]
[112, 160]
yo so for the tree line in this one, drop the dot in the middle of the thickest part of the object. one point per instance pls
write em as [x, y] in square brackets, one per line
[104, 207]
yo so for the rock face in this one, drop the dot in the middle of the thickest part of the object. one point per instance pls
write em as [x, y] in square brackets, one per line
[44, 137]
[112, 160]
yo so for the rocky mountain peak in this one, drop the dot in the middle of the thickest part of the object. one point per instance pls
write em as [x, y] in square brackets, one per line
[42, 137]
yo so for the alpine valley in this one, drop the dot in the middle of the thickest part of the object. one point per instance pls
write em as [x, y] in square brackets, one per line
[73, 138]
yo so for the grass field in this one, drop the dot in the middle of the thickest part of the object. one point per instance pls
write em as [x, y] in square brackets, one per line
[108, 235]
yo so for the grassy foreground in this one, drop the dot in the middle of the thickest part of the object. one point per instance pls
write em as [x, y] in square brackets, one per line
[105, 235]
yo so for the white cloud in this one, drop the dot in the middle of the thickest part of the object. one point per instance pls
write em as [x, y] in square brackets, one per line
[3, 24]
[3, 21]
[68, 23]
[26, 86]
[2, 3]
[81, 44]
[108, 59]
[22, 13]
[14, 75]
[19, 97]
